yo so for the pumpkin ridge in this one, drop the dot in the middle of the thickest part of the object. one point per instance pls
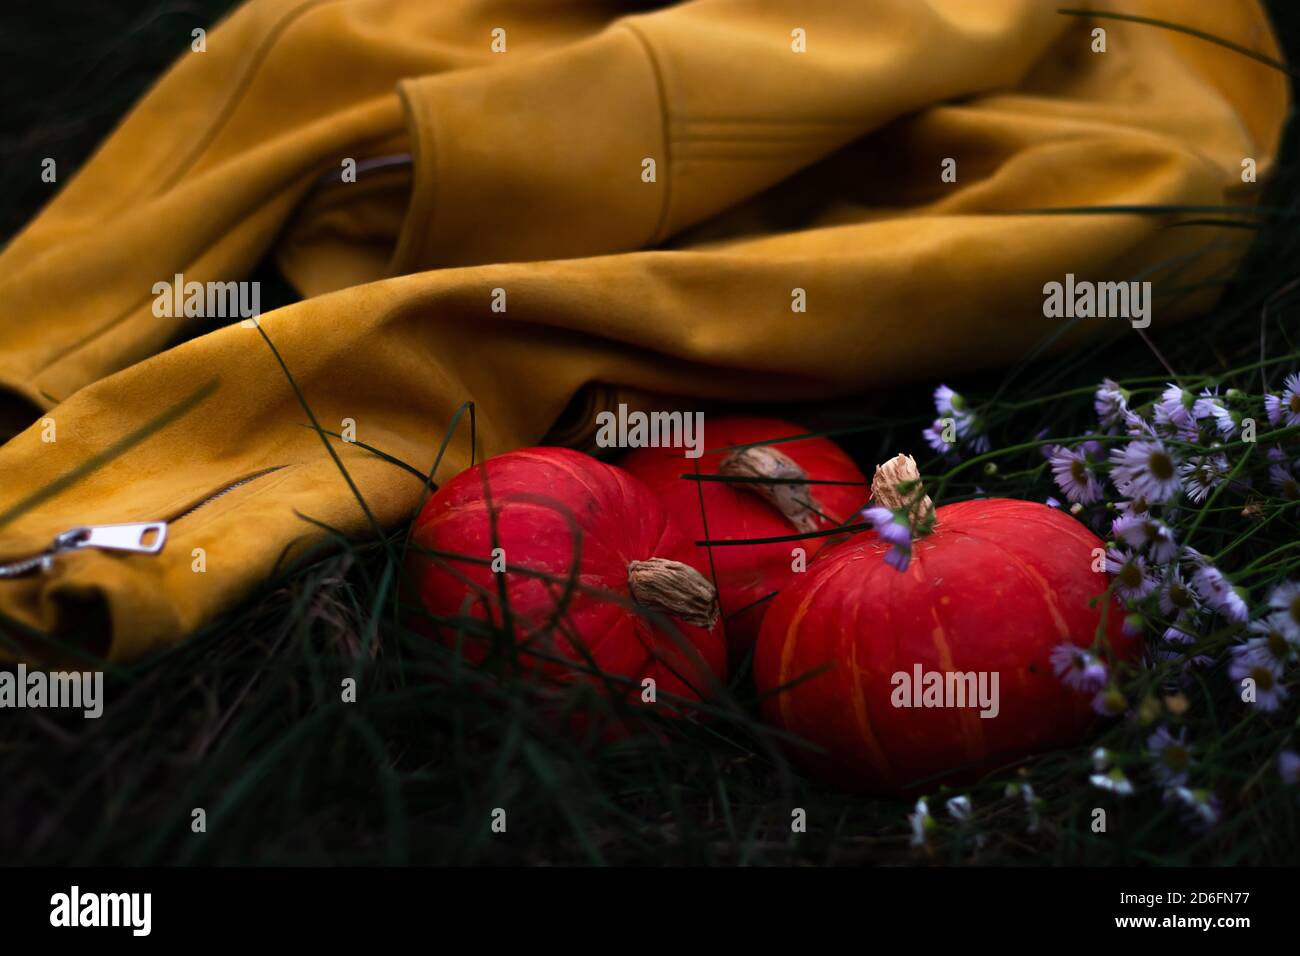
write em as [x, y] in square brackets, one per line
[896, 581]
[661, 668]
[1049, 599]
[972, 731]
[861, 711]
[860, 714]
[787, 646]
[1032, 574]
[588, 542]
[1074, 528]
[569, 468]
[565, 626]
[543, 503]
[599, 640]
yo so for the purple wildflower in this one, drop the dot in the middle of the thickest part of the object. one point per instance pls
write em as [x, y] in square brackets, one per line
[1200, 808]
[1100, 759]
[1173, 412]
[1215, 590]
[1135, 506]
[893, 529]
[1137, 426]
[1252, 661]
[1202, 474]
[934, 437]
[1172, 756]
[959, 808]
[1074, 475]
[1109, 701]
[1177, 637]
[1114, 781]
[1284, 409]
[966, 426]
[1288, 765]
[1078, 668]
[1286, 599]
[1147, 469]
[1132, 582]
[1211, 406]
[1149, 534]
[1111, 402]
[973, 435]
[922, 823]
[1284, 480]
[1176, 597]
[1273, 635]
[948, 402]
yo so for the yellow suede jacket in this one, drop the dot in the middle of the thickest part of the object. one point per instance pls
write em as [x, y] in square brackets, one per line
[513, 203]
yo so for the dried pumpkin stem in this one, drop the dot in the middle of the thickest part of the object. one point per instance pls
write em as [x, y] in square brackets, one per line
[897, 484]
[676, 589]
[792, 500]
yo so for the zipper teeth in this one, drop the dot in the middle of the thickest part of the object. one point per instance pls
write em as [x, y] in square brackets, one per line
[15, 569]
[224, 491]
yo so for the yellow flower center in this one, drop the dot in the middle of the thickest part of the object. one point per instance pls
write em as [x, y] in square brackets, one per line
[1161, 465]
[1176, 757]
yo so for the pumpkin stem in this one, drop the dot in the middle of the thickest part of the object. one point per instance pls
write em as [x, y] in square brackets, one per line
[792, 500]
[897, 484]
[674, 588]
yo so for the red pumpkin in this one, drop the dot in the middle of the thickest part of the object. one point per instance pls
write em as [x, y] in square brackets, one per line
[551, 504]
[992, 589]
[747, 574]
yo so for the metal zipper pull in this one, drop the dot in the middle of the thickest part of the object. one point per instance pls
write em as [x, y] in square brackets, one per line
[143, 538]
[146, 537]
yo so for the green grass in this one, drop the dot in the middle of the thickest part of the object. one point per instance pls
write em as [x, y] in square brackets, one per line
[245, 720]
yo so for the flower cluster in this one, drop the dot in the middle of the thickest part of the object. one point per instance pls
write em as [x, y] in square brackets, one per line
[1142, 482]
[958, 425]
[1155, 468]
